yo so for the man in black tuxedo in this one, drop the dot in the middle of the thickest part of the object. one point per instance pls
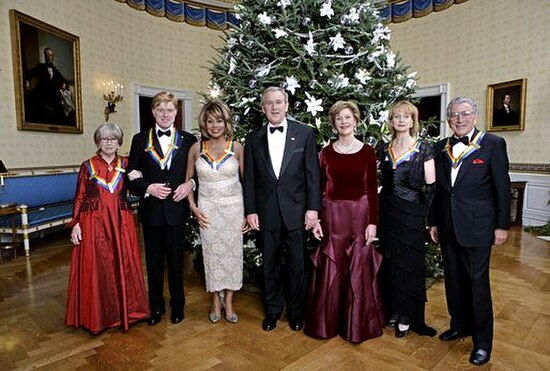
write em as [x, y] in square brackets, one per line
[282, 200]
[156, 169]
[470, 213]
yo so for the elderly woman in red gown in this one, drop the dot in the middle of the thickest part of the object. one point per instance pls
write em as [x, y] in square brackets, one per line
[343, 296]
[106, 286]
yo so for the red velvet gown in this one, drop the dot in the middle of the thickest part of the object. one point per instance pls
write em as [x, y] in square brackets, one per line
[343, 296]
[106, 285]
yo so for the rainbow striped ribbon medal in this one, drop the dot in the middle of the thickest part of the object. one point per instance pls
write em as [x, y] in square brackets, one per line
[117, 177]
[472, 147]
[160, 160]
[215, 164]
[395, 162]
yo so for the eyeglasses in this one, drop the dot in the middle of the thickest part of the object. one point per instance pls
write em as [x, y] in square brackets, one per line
[463, 114]
[107, 140]
[165, 111]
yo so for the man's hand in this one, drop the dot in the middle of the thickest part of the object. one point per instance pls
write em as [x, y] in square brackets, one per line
[434, 235]
[182, 191]
[159, 190]
[501, 235]
[311, 219]
[253, 221]
[370, 233]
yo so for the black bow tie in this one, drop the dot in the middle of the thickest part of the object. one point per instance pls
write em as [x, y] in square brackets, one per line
[160, 133]
[455, 140]
[273, 129]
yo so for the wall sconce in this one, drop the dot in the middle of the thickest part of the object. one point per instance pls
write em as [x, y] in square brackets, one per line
[3, 171]
[113, 92]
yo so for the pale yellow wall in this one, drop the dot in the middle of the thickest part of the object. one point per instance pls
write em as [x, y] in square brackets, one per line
[117, 42]
[483, 42]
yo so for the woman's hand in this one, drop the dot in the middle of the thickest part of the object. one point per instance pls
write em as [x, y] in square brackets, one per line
[370, 233]
[76, 234]
[245, 227]
[201, 217]
[318, 231]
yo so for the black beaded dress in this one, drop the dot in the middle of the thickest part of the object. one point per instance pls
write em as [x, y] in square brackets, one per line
[402, 234]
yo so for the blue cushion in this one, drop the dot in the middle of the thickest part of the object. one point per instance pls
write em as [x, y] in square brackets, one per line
[39, 216]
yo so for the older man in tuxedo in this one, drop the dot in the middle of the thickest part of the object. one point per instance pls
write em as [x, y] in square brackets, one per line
[156, 169]
[470, 213]
[282, 200]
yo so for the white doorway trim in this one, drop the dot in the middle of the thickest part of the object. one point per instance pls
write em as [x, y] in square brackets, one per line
[441, 90]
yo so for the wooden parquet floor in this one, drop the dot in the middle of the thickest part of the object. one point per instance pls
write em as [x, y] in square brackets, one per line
[33, 335]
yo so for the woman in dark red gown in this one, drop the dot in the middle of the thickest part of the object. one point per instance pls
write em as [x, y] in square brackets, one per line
[106, 286]
[343, 295]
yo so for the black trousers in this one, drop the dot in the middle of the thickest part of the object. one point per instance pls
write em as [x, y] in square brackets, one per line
[275, 245]
[468, 291]
[164, 243]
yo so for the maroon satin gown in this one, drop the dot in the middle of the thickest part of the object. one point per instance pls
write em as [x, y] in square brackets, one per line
[344, 297]
[106, 285]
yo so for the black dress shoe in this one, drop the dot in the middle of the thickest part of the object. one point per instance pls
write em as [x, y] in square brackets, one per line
[155, 318]
[269, 323]
[295, 324]
[480, 357]
[176, 317]
[452, 334]
[399, 333]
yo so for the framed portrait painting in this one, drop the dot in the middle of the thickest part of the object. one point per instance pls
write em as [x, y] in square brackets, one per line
[506, 105]
[46, 64]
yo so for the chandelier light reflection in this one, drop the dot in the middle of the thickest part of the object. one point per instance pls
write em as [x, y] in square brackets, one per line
[113, 92]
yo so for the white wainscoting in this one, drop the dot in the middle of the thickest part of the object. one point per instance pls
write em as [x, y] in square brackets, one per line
[536, 210]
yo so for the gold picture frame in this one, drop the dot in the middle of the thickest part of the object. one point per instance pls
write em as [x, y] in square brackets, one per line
[46, 64]
[506, 105]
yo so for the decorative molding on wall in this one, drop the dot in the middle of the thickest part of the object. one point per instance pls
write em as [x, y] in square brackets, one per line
[536, 210]
[530, 168]
[17, 172]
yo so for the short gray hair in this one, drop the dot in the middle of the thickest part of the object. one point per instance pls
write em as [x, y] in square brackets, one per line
[273, 89]
[110, 130]
[459, 100]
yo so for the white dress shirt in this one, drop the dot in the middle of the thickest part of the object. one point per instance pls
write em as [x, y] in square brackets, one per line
[276, 145]
[165, 141]
[457, 151]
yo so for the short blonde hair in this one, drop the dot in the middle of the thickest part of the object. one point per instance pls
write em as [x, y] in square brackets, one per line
[164, 97]
[217, 109]
[409, 109]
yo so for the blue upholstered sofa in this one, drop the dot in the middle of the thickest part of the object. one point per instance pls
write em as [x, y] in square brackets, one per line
[43, 201]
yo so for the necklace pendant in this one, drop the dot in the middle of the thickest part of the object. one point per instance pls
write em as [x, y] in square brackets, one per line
[109, 168]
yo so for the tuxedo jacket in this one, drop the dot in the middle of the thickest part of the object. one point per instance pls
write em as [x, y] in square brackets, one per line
[479, 201]
[286, 199]
[154, 211]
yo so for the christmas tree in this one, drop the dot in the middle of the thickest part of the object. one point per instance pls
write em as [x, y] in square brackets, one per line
[319, 51]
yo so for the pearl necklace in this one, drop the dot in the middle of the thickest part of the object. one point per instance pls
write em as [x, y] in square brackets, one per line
[355, 146]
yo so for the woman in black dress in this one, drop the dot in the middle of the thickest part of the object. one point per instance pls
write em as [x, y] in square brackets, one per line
[408, 178]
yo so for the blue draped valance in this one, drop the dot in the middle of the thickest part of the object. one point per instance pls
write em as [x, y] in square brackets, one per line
[194, 13]
[397, 11]
[222, 17]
